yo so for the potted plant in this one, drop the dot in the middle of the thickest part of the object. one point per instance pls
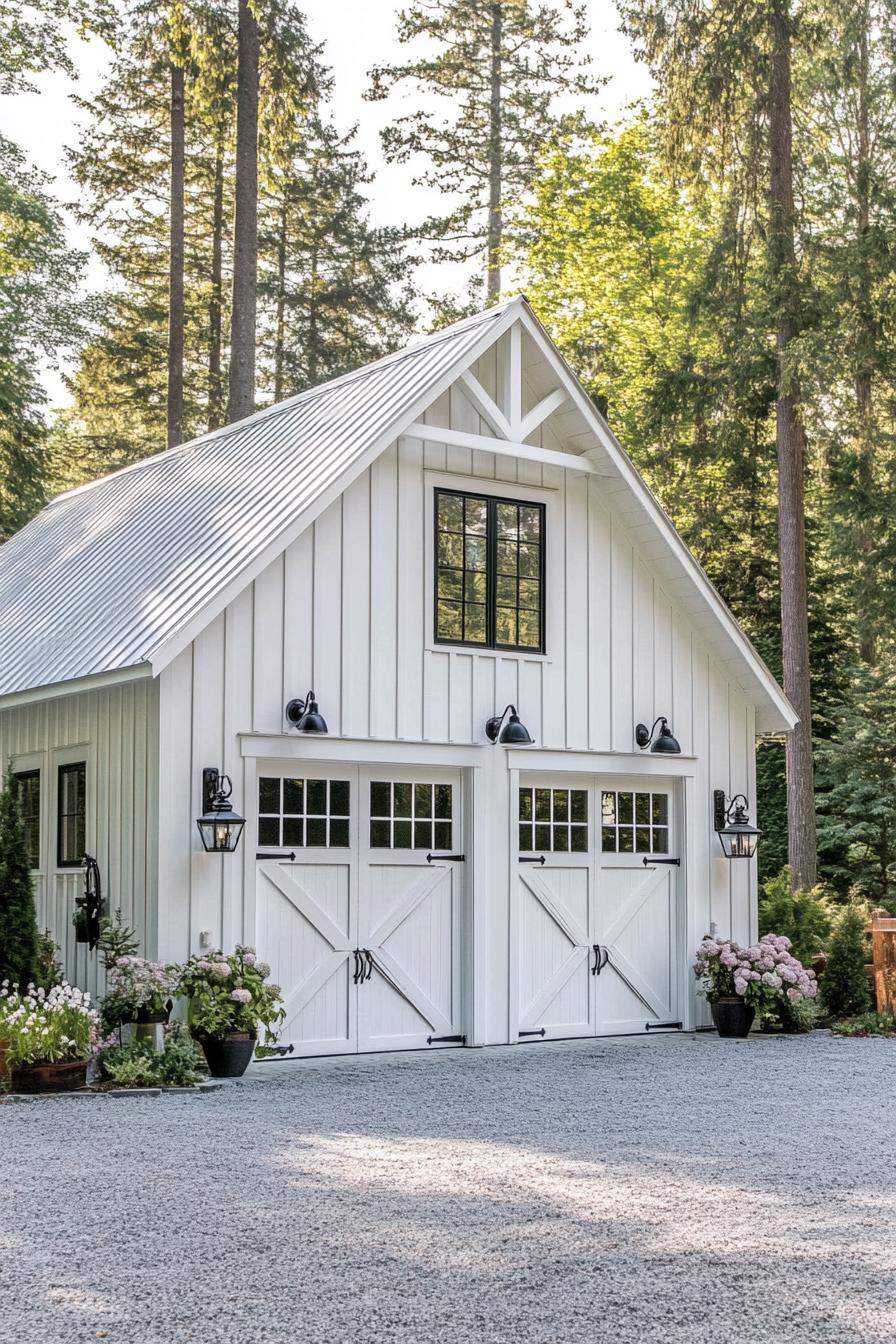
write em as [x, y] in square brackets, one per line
[739, 980]
[137, 991]
[49, 1035]
[230, 999]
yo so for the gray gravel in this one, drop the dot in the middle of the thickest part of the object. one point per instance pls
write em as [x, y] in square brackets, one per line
[670, 1189]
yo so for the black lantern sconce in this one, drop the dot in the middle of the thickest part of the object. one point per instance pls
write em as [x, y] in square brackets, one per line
[219, 826]
[510, 733]
[736, 836]
[663, 742]
[305, 715]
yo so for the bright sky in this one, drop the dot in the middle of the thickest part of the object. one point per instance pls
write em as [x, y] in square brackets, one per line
[357, 34]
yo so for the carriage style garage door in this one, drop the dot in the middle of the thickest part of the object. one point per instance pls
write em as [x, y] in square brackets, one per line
[597, 926]
[359, 909]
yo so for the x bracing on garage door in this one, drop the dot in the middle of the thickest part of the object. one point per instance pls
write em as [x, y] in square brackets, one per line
[361, 920]
[597, 922]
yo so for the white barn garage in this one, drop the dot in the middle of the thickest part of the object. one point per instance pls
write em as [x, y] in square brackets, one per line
[441, 534]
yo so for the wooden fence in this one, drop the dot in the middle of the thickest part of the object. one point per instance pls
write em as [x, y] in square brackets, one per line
[883, 959]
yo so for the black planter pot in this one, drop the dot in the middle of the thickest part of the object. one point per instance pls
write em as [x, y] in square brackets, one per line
[732, 1016]
[228, 1056]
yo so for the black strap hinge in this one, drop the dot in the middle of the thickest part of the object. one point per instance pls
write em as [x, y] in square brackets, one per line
[439, 1040]
[291, 856]
[649, 862]
[446, 858]
[662, 1026]
[525, 859]
[538, 1032]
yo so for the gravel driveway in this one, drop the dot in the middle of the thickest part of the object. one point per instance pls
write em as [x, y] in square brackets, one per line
[669, 1189]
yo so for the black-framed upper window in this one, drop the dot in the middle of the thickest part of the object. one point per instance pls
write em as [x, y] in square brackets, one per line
[71, 814]
[28, 785]
[489, 571]
[410, 816]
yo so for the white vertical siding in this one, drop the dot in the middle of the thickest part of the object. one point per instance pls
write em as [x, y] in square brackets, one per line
[115, 730]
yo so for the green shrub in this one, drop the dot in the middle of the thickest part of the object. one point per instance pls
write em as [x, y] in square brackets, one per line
[139, 1064]
[866, 1024]
[844, 986]
[805, 917]
[19, 937]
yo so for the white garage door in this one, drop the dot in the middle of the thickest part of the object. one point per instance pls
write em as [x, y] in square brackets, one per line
[359, 892]
[597, 906]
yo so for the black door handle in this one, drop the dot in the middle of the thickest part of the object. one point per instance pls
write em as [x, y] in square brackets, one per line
[366, 952]
[358, 966]
[595, 948]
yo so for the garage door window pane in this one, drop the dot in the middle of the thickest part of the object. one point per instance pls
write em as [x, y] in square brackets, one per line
[649, 812]
[303, 813]
[410, 816]
[567, 812]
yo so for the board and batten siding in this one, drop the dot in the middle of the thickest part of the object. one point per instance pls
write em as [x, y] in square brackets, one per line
[347, 610]
[115, 730]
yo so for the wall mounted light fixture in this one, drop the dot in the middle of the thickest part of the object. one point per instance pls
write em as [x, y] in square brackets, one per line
[732, 823]
[663, 742]
[510, 733]
[219, 826]
[305, 715]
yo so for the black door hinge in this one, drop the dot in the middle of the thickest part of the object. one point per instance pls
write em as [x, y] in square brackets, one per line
[538, 1032]
[446, 858]
[291, 856]
[540, 859]
[453, 1040]
[662, 1026]
[649, 862]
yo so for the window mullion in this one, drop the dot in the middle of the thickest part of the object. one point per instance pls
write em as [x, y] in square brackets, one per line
[491, 528]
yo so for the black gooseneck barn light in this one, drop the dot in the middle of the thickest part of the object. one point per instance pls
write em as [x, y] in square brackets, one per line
[305, 715]
[663, 742]
[510, 733]
[736, 836]
[219, 826]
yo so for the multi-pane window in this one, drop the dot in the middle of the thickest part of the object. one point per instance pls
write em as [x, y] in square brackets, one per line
[304, 813]
[555, 820]
[71, 814]
[28, 785]
[410, 816]
[489, 572]
[634, 823]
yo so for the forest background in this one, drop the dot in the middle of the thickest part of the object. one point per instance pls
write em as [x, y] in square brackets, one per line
[711, 240]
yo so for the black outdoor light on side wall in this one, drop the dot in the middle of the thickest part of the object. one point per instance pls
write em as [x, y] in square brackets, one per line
[305, 715]
[510, 733]
[219, 826]
[736, 836]
[662, 742]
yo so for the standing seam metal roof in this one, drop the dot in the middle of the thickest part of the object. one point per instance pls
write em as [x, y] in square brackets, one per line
[106, 573]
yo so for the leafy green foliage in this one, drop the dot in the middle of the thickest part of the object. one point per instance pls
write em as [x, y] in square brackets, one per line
[116, 940]
[802, 916]
[19, 936]
[866, 1024]
[857, 788]
[139, 1064]
[844, 987]
[230, 993]
[49, 967]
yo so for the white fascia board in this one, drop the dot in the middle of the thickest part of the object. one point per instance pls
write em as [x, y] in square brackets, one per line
[95, 682]
[778, 713]
[167, 651]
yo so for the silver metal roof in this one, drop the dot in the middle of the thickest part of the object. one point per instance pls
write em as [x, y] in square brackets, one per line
[106, 574]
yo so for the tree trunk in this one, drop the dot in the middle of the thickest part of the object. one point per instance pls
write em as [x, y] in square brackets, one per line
[791, 442]
[495, 215]
[280, 319]
[216, 302]
[245, 226]
[864, 541]
[175, 413]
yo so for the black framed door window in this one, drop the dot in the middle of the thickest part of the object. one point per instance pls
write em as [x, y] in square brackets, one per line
[490, 571]
[28, 785]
